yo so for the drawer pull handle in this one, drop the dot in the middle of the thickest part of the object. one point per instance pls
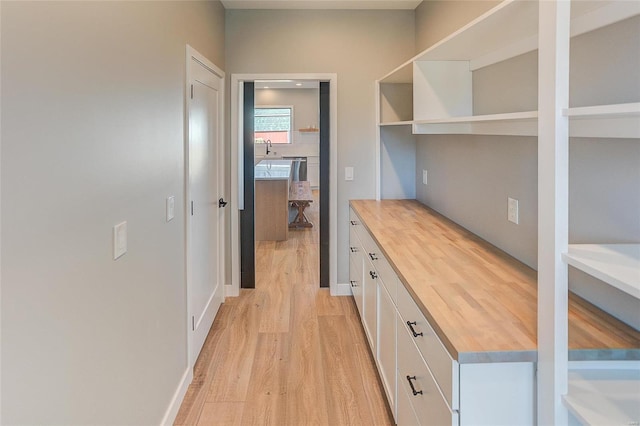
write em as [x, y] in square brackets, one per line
[413, 389]
[373, 275]
[373, 256]
[353, 249]
[354, 283]
[410, 324]
[354, 223]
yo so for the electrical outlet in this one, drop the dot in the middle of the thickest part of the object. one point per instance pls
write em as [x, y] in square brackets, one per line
[424, 177]
[512, 210]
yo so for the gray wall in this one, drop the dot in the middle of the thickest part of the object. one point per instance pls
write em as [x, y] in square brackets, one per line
[92, 134]
[360, 46]
[435, 19]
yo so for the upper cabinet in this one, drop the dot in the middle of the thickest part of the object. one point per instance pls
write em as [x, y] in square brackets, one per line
[434, 91]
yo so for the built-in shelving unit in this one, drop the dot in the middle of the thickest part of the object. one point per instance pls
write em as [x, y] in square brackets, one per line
[441, 78]
[616, 264]
[440, 102]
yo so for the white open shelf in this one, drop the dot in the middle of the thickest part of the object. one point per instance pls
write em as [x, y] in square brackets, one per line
[513, 123]
[604, 397]
[397, 123]
[616, 264]
[511, 29]
[614, 121]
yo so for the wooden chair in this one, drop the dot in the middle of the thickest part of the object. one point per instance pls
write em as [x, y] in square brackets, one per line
[300, 197]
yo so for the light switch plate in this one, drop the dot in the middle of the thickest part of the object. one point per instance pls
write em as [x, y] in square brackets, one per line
[119, 240]
[512, 210]
[424, 177]
[171, 208]
[348, 173]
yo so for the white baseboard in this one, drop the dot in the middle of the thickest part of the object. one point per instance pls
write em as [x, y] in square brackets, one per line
[172, 411]
[341, 290]
[231, 291]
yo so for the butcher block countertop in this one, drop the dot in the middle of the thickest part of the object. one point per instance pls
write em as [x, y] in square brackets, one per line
[481, 302]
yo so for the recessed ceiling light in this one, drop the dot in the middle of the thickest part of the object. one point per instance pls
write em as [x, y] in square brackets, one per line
[298, 84]
[266, 87]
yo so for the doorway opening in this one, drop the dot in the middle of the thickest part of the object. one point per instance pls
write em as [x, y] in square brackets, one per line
[287, 189]
[274, 129]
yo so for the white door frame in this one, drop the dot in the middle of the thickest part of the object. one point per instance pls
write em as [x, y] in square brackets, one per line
[193, 54]
[237, 173]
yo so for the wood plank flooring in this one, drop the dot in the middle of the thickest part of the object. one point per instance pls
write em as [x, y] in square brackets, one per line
[286, 353]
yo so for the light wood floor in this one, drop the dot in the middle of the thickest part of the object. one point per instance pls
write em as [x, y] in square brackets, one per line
[286, 353]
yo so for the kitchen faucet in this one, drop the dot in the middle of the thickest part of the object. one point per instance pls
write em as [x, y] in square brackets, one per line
[269, 145]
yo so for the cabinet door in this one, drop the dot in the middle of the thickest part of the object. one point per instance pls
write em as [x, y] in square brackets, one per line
[406, 416]
[313, 171]
[370, 296]
[387, 344]
[355, 275]
[416, 379]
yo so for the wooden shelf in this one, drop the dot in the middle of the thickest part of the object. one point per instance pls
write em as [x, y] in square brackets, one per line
[616, 264]
[514, 123]
[311, 130]
[604, 397]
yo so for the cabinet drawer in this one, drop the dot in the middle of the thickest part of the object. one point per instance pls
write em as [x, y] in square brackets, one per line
[415, 377]
[354, 224]
[388, 276]
[441, 364]
[380, 263]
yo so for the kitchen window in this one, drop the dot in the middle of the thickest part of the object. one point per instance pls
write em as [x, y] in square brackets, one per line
[273, 124]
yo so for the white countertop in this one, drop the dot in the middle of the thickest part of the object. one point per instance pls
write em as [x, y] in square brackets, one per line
[273, 170]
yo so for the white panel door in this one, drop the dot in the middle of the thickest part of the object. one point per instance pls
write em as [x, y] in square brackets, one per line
[203, 278]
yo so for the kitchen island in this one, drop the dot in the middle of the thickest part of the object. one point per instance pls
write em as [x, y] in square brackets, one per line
[272, 178]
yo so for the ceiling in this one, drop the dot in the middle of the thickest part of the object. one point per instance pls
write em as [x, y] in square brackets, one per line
[321, 4]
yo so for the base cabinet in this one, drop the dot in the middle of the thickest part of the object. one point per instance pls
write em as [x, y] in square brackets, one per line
[424, 385]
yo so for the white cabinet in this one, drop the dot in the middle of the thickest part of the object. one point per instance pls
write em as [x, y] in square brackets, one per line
[424, 384]
[313, 171]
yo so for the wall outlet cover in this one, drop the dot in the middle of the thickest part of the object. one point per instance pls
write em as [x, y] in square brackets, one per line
[348, 173]
[119, 240]
[171, 208]
[512, 210]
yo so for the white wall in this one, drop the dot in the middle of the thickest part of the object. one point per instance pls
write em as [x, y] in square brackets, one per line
[92, 115]
[360, 46]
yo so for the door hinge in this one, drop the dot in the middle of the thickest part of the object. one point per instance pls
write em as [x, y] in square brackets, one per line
[191, 208]
[192, 91]
[193, 323]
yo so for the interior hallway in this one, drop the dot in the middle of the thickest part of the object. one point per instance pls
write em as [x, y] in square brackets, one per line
[286, 353]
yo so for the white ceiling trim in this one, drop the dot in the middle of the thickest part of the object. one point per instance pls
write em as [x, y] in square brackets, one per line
[321, 4]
